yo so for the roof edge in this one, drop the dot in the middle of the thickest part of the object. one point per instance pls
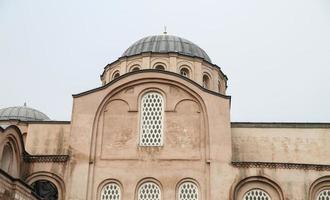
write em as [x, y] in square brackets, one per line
[280, 125]
[38, 122]
[150, 71]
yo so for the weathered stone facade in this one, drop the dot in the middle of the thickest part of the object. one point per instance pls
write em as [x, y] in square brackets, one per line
[176, 143]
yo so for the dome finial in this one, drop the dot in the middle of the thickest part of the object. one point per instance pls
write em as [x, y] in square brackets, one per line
[165, 32]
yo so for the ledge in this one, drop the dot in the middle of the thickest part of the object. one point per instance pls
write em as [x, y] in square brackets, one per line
[279, 125]
[278, 165]
[45, 158]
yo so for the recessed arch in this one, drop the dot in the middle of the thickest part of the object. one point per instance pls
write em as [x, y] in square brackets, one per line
[135, 67]
[319, 186]
[11, 151]
[7, 158]
[185, 71]
[115, 74]
[270, 187]
[110, 189]
[149, 186]
[188, 189]
[48, 177]
[206, 81]
[159, 66]
[170, 79]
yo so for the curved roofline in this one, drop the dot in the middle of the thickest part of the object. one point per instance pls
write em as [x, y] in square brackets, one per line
[166, 43]
[150, 52]
[16, 113]
[37, 122]
[150, 71]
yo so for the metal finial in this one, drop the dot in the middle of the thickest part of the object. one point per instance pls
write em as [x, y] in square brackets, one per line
[165, 32]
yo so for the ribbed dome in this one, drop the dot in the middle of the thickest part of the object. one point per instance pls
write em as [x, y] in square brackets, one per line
[22, 113]
[166, 44]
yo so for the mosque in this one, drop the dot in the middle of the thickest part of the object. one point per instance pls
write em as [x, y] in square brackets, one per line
[158, 128]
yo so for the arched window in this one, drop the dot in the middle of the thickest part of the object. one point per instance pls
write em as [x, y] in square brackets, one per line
[152, 112]
[206, 81]
[256, 194]
[160, 67]
[111, 191]
[188, 191]
[115, 75]
[135, 69]
[324, 195]
[184, 72]
[45, 189]
[219, 86]
[149, 191]
[7, 158]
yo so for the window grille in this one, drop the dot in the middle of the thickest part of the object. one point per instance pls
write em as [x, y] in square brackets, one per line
[152, 109]
[324, 195]
[256, 194]
[149, 191]
[188, 191]
[111, 191]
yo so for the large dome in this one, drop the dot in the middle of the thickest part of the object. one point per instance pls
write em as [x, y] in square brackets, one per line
[166, 44]
[22, 113]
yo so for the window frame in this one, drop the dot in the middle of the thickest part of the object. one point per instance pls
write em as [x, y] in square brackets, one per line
[139, 186]
[257, 189]
[115, 75]
[188, 180]
[102, 187]
[208, 85]
[161, 94]
[184, 67]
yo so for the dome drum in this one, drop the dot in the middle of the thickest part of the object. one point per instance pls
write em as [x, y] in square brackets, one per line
[169, 53]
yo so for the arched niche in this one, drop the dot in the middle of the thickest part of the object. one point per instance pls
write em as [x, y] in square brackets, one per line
[119, 130]
[129, 92]
[319, 185]
[184, 128]
[260, 183]
[47, 184]
[104, 189]
[158, 188]
[11, 151]
[194, 190]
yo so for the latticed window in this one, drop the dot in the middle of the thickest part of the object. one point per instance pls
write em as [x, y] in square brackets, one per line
[256, 194]
[111, 191]
[152, 109]
[188, 191]
[324, 195]
[149, 191]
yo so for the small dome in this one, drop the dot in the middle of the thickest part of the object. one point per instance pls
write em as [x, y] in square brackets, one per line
[22, 113]
[166, 44]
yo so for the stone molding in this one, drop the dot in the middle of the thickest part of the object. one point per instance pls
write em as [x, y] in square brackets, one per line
[45, 158]
[278, 165]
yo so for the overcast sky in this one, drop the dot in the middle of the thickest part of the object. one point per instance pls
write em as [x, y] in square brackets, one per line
[276, 53]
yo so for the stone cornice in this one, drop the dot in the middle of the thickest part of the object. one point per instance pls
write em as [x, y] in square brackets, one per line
[45, 158]
[279, 125]
[278, 165]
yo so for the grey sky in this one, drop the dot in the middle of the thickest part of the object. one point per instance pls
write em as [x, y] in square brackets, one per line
[276, 54]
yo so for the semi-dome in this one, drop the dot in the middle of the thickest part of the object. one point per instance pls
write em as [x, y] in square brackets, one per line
[22, 113]
[166, 44]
